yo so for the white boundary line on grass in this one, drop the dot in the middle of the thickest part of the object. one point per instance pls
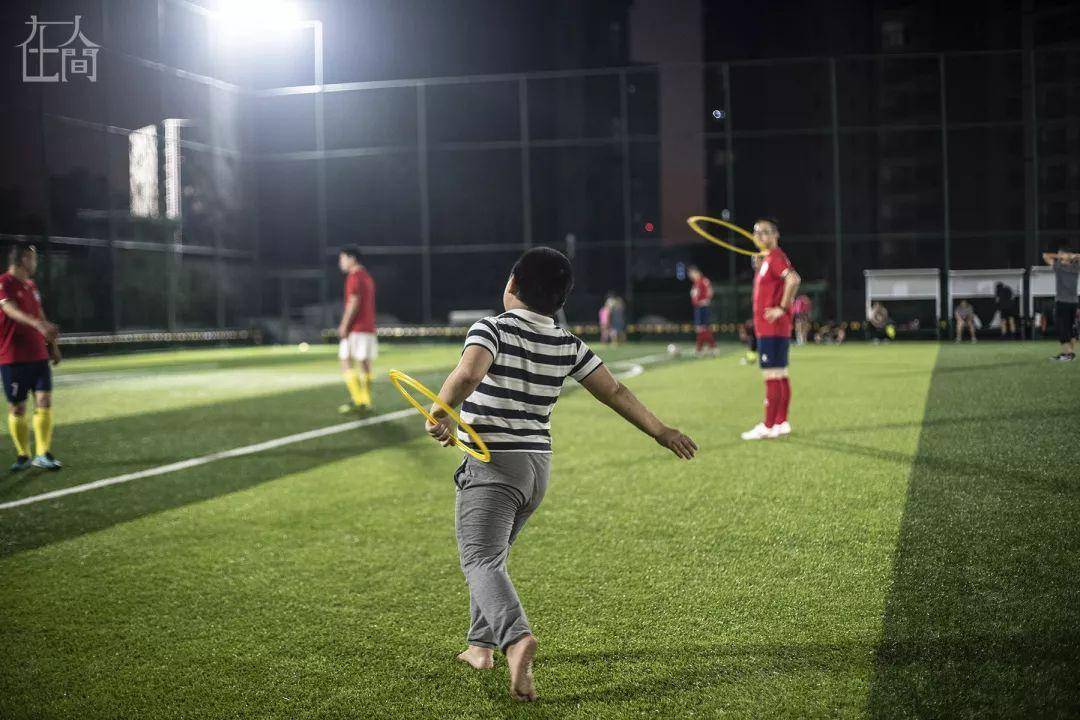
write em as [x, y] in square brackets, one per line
[204, 459]
[635, 369]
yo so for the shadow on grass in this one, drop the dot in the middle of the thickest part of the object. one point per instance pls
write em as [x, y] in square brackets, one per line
[101, 449]
[1061, 480]
[982, 616]
[1057, 412]
[973, 368]
[670, 673]
[185, 363]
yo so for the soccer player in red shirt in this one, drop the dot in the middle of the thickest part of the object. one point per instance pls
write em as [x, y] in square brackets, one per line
[27, 344]
[357, 331]
[775, 285]
[701, 295]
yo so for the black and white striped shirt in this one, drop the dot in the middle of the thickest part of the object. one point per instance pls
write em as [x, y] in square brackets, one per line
[511, 408]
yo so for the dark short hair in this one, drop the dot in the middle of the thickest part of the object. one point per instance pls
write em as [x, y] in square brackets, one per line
[17, 252]
[544, 279]
[352, 251]
[771, 220]
[692, 268]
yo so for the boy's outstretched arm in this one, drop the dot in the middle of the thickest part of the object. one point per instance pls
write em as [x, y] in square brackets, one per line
[459, 384]
[608, 390]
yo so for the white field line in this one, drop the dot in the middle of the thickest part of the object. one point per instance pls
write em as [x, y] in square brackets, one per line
[633, 370]
[320, 378]
[63, 378]
[212, 457]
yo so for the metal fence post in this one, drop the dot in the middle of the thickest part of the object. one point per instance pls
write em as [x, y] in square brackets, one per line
[320, 182]
[837, 208]
[114, 286]
[1035, 158]
[945, 185]
[628, 242]
[729, 176]
[425, 201]
[172, 259]
[1031, 154]
[283, 290]
[526, 163]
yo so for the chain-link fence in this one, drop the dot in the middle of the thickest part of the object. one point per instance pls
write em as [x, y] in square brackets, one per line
[956, 160]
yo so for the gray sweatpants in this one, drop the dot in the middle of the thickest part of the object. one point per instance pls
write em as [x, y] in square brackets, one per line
[494, 500]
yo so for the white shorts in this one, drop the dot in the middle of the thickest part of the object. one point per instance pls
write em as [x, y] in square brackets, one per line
[359, 346]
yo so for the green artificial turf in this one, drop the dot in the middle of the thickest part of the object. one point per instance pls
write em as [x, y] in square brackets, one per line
[984, 616]
[911, 550]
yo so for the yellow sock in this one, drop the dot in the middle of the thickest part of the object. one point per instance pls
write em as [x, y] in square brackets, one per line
[20, 433]
[367, 386]
[42, 430]
[356, 387]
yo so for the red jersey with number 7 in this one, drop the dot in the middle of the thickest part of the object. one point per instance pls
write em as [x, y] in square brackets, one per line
[20, 343]
[768, 292]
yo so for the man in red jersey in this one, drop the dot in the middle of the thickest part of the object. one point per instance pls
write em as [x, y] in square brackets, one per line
[27, 344]
[701, 295]
[775, 285]
[357, 331]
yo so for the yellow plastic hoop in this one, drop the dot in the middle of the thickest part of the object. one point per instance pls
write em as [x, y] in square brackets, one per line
[693, 223]
[397, 377]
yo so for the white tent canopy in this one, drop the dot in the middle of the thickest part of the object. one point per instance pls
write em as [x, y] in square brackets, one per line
[916, 284]
[982, 284]
[1041, 282]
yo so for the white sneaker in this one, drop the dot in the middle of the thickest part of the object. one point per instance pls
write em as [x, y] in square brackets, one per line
[759, 432]
[783, 428]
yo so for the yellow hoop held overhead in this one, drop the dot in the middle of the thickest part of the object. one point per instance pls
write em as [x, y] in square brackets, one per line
[693, 223]
[398, 378]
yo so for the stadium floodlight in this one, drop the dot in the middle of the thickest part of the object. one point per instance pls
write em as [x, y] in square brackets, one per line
[248, 17]
[256, 18]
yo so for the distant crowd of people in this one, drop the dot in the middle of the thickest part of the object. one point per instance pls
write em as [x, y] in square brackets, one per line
[879, 326]
[1066, 265]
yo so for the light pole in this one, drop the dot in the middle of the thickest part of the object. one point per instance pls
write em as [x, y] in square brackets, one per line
[320, 177]
[253, 16]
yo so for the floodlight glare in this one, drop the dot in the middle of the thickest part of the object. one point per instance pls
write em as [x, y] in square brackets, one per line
[247, 17]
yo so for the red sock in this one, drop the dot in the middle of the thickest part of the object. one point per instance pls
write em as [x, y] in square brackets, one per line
[700, 341]
[773, 401]
[710, 339]
[785, 400]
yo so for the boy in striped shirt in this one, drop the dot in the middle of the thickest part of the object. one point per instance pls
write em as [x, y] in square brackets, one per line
[510, 374]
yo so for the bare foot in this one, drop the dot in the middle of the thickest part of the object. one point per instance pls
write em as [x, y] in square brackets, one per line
[519, 657]
[481, 658]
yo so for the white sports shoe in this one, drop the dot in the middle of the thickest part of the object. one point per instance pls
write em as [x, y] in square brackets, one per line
[759, 432]
[783, 428]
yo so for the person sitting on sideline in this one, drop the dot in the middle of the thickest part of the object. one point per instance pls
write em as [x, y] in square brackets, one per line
[877, 323]
[965, 318]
